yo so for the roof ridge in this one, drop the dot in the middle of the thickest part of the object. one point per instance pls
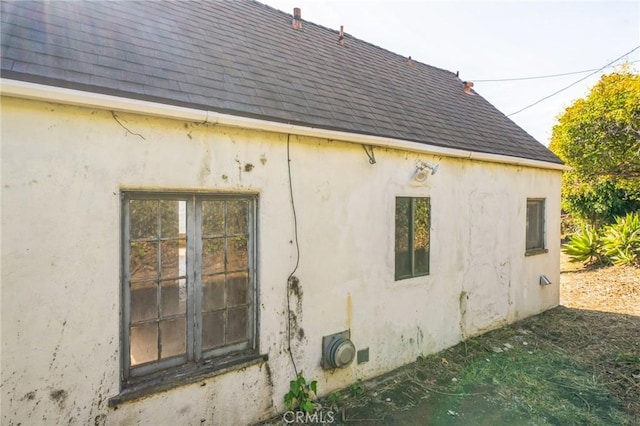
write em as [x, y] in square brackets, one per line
[337, 32]
[243, 57]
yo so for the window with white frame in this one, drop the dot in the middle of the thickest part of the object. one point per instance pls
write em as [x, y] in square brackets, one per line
[189, 280]
[535, 226]
[412, 235]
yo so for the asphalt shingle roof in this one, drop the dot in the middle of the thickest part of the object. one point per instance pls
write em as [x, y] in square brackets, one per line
[243, 58]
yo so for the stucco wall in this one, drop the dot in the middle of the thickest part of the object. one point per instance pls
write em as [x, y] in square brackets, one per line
[62, 172]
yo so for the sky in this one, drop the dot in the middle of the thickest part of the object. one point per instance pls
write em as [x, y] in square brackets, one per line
[489, 40]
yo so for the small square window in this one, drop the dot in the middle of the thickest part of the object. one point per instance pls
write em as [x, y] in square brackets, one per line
[412, 237]
[535, 226]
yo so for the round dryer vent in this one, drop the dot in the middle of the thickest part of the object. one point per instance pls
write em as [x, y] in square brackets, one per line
[338, 351]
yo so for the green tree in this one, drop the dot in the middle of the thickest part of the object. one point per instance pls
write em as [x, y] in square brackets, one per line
[599, 137]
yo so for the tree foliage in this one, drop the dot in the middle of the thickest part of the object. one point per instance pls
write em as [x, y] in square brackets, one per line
[599, 137]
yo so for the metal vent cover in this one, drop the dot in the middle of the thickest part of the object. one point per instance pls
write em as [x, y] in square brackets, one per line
[338, 351]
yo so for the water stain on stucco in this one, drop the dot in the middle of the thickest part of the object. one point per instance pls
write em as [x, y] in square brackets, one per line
[295, 318]
[267, 370]
[248, 167]
[205, 170]
[59, 396]
[100, 420]
[29, 396]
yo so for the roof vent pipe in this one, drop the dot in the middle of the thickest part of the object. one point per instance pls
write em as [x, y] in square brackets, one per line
[467, 87]
[341, 38]
[296, 24]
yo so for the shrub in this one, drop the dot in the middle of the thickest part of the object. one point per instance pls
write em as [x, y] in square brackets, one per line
[621, 240]
[618, 243]
[585, 246]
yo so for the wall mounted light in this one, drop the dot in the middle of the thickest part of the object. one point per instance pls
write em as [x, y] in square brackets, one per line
[421, 174]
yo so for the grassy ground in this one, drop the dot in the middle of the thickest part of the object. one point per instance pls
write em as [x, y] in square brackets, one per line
[576, 364]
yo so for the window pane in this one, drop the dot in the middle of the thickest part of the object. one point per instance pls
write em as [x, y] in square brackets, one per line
[212, 218]
[237, 320]
[144, 302]
[144, 343]
[237, 289]
[402, 253]
[421, 223]
[143, 219]
[212, 329]
[169, 212]
[237, 217]
[174, 297]
[212, 255]
[174, 339]
[237, 253]
[161, 305]
[174, 260]
[213, 293]
[143, 261]
[535, 224]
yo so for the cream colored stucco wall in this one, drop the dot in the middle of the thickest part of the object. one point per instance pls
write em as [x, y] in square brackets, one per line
[63, 168]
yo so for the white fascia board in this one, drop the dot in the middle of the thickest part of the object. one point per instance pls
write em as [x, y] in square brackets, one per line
[25, 90]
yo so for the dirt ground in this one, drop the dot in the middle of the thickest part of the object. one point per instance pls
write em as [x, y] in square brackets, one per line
[576, 364]
[611, 289]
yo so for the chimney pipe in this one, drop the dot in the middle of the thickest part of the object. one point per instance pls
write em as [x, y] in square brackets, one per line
[296, 24]
[341, 38]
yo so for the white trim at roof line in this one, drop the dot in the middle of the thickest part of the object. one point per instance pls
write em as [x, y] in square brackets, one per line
[25, 90]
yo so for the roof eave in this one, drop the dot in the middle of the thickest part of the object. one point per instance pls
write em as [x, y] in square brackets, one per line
[47, 93]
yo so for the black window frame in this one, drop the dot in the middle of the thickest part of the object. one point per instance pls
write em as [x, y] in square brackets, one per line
[410, 256]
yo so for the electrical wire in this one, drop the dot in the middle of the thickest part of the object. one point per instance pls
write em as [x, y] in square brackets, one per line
[574, 83]
[290, 278]
[542, 76]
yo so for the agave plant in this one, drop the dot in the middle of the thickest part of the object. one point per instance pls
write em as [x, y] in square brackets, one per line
[621, 240]
[585, 246]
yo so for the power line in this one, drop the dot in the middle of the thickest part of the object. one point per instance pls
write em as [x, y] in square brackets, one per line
[574, 83]
[541, 76]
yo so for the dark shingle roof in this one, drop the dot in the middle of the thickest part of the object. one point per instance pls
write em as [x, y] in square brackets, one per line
[242, 57]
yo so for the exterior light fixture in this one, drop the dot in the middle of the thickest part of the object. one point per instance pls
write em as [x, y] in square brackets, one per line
[421, 174]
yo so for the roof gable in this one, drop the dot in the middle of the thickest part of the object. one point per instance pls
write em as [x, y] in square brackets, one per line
[244, 58]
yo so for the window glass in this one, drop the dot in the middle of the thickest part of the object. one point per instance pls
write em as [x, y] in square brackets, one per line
[422, 214]
[189, 279]
[403, 255]
[535, 225]
[412, 237]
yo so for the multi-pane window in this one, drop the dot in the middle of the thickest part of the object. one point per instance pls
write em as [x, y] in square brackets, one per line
[189, 279]
[535, 225]
[413, 218]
